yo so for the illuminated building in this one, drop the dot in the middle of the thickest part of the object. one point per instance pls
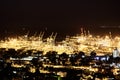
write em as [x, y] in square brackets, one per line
[116, 53]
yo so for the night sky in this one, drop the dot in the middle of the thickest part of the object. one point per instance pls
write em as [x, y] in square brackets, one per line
[64, 17]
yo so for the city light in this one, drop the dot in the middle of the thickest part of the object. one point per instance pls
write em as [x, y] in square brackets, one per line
[82, 42]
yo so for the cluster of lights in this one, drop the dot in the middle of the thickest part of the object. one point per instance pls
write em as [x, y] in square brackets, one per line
[82, 42]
